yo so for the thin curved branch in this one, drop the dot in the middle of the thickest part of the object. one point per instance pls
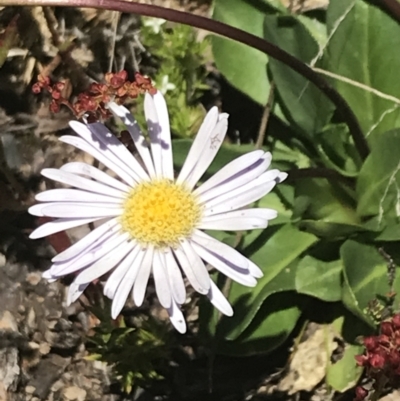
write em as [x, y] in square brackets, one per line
[393, 7]
[228, 31]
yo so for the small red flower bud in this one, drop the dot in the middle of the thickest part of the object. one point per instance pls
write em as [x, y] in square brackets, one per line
[54, 107]
[370, 343]
[36, 88]
[386, 328]
[394, 359]
[361, 393]
[361, 360]
[377, 361]
[396, 321]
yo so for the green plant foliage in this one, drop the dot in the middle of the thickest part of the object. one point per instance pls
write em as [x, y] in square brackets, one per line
[274, 251]
[361, 48]
[229, 55]
[181, 74]
[304, 105]
[319, 279]
[333, 219]
[365, 278]
[137, 354]
[379, 181]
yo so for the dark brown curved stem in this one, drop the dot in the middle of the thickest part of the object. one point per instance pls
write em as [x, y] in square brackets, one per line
[393, 7]
[227, 31]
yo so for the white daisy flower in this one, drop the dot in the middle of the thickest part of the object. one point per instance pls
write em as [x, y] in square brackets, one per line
[152, 221]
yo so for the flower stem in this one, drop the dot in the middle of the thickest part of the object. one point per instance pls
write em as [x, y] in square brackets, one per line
[228, 31]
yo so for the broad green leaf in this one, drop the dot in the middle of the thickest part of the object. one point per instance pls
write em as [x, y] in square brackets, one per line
[365, 277]
[270, 328]
[305, 105]
[319, 279]
[378, 185]
[337, 150]
[244, 67]
[361, 48]
[324, 208]
[275, 251]
[344, 374]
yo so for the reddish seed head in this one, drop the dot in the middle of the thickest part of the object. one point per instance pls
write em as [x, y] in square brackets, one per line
[361, 360]
[386, 328]
[377, 361]
[370, 343]
[396, 321]
[361, 393]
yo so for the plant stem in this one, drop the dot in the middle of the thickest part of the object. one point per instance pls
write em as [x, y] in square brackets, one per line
[228, 31]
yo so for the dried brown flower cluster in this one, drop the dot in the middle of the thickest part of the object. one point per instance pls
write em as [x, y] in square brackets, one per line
[93, 101]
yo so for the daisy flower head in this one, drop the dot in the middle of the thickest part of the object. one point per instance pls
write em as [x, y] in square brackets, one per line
[149, 221]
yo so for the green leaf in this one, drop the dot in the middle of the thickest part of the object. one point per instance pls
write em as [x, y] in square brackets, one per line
[244, 67]
[275, 251]
[337, 150]
[325, 209]
[361, 49]
[270, 328]
[305, 105]
[344, 374]
[365, 277]
[319, 279]
[379, 181]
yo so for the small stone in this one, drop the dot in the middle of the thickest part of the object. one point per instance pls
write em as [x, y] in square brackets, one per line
[30, 389]
[8, 322]
[33, 346]
[74, 393]
[44, 348]
[33, 278]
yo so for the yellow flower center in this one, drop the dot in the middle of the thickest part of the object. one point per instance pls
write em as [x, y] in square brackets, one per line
[160, 212]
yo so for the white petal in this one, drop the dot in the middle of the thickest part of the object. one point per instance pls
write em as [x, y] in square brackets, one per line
[81, 182]
[262, 213]
[161, 280]
[219, 301]
[118, 274]
[244, 219]
[281, 177]
[80, 210]
[254, 270]
[74, 195]
[75, 291]
[194, 269]
[204, 148]
[177, 318]
[139, 288]
[110, 142]
[110, 227]
[242, 196]
[103, 156]
[245, 176]
[56, 226]
[126, 285]
[48, 276]
[105, 264]
[88, 257]
[137, 136]
[176, 282]
[235, 168]
[159, 132]
[224, 258]
[235, 224]
[95, 173]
